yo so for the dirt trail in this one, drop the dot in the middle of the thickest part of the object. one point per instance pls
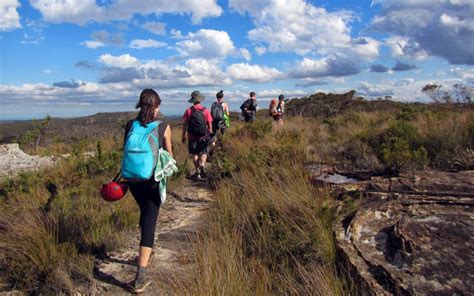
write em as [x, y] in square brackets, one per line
[179, 219]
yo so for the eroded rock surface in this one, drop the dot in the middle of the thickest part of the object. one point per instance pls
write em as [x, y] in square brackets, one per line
[13, 160]
[412, 235]
[179, 220]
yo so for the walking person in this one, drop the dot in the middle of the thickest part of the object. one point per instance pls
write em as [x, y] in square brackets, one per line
[277, 109]
[198, 126]
[138, 169]
[219, 112]
[249, 108]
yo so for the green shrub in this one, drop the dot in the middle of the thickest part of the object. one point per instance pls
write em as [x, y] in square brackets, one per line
[359, 154]
[397, 154]
[54, 223]
[408, 113]
[256, 130]
[404, 131]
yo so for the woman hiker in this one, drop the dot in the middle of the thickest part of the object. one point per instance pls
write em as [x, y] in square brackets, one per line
[219, 112]
[147, 192]
[277, 109]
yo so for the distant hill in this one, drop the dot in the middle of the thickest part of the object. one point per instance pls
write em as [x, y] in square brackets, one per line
[321, 105]
[71, 129]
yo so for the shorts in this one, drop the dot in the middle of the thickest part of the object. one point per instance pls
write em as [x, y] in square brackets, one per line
[249, 117]
[277, 117]
[218, 125]
[198, 147]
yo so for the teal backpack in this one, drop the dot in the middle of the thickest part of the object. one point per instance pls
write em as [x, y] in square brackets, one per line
[140, 153]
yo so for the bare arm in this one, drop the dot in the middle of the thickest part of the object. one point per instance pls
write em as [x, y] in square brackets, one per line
[183, 137]
[226, 109]
[167, 141]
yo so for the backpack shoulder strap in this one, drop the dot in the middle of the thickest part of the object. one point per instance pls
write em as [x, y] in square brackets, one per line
[154, 132]
[128, 127]
[161, 133]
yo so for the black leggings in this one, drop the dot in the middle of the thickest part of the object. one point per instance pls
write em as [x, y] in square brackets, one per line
[147, 195]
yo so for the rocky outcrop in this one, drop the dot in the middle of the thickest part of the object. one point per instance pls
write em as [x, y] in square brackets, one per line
[411, 235]
[13, 161]
[321, 105]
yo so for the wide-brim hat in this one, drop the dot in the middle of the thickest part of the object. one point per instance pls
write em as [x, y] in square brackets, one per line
[196, 97]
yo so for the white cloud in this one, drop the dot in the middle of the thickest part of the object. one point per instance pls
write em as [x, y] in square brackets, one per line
[404, 81]
[73, 11]
[92, 44]
[298, 26]
[246, 54]
[155, 27]
[404, 47]
[103, 38]
[254, 73]
[146, 43]
[206, 43]
[248, 6]
[9, 17]
[441, 28]
[123, 61]
[260, 50]
[128, 69]
[369, 90]
[176, 34]
[308, 82]
[83, 11]
[48, 71]
[405, 90]
[465, 74]
[331, 66]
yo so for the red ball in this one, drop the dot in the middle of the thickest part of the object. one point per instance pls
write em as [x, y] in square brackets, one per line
[114, 191]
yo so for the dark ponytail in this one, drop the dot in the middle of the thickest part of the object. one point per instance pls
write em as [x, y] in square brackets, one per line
[149, 101]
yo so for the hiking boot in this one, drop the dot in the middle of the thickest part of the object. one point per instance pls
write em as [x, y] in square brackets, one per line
[141, 281]
[202, 173]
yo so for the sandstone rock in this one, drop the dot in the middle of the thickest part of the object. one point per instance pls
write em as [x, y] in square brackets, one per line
[13, 161]
[412, 235]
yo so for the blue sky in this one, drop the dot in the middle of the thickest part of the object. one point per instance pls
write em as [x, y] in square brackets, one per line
[76, 57]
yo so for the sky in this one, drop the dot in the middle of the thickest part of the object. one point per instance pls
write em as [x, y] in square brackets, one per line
[69, 58]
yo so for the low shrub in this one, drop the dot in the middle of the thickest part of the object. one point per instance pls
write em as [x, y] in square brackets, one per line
[53, 223]
[270, 230]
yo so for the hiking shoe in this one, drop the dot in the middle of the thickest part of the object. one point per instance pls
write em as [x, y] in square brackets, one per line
[193, 176]
[202, 173]
[140, 283]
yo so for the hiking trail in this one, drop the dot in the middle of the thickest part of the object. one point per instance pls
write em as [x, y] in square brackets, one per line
[179, 220]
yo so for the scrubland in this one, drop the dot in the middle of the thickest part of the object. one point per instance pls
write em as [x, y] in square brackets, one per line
[269, 230]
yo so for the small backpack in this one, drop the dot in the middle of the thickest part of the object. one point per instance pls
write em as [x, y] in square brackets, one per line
[271, 108]
[217, 111]
[140, 153]
[196, 123]
[247, 104]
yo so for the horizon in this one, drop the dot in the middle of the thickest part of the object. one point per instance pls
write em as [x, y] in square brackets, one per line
[77, 58]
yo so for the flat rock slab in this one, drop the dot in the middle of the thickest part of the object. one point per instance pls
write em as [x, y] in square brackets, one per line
[179, 220]
[13, 161]
[412, 235]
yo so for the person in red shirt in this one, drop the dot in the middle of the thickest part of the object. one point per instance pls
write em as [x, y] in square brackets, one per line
[198, 126]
